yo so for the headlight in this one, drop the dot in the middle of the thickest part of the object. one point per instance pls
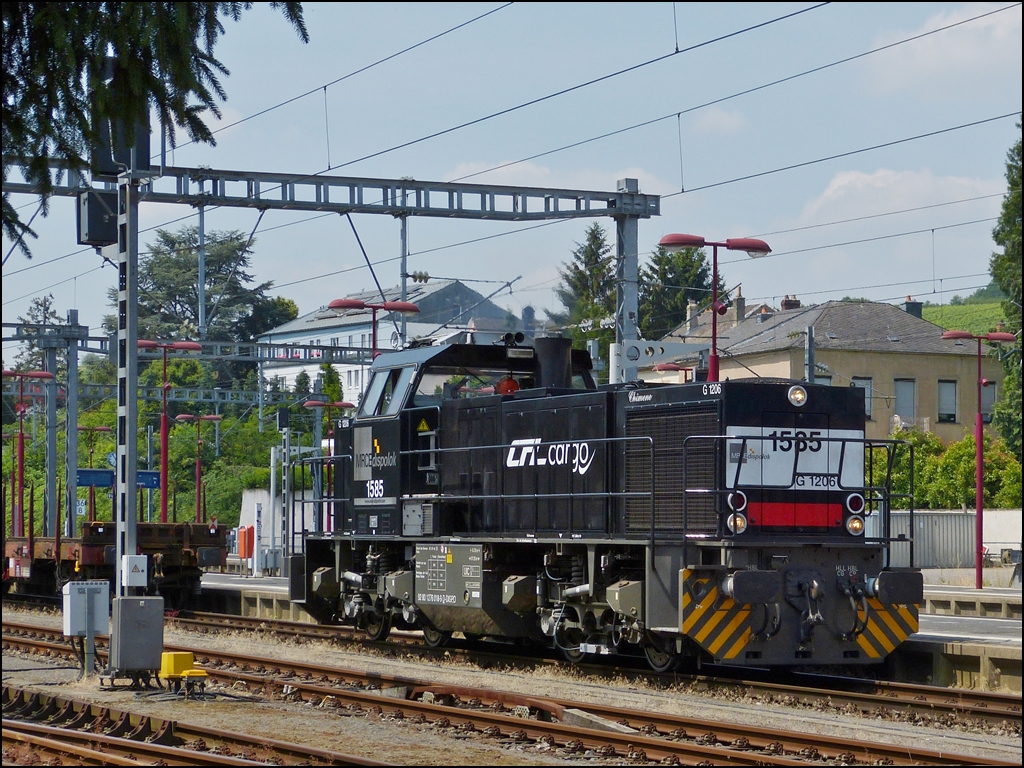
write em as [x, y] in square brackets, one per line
[736, 523]
[737, 500]
[797, 395]
[855, 525]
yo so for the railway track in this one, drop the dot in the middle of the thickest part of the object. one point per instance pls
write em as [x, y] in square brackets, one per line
[38, 720]
[906, 702]
[870, 698]
[573, 726]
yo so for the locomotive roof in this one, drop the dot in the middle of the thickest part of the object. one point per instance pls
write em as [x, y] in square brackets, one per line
[469, 355]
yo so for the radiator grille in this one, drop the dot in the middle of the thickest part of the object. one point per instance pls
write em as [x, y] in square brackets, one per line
[668, 427]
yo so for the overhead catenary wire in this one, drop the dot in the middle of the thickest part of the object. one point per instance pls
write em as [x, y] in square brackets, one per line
[378, 62]
[431, 249]
[747, 91]
[716, 101]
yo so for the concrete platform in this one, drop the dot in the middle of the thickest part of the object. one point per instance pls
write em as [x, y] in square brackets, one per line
[966, 652]
[259, 597]
[1001, 602]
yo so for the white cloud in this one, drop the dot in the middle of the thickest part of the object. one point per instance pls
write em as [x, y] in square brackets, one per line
[853, 193]
[715, 120]
[965, 55]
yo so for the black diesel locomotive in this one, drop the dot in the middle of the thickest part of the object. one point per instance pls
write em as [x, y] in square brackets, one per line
[496, 491]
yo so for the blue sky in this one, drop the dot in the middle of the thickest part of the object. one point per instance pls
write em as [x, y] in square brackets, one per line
[912, 211]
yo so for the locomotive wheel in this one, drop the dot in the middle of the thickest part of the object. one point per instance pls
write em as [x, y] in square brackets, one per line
[435, 638]
[661, 661]
[575, 655]
[378, 626]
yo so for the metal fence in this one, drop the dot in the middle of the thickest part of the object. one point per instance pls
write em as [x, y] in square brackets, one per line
[942, 538]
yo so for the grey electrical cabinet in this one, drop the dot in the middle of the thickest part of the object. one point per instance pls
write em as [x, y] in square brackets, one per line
[137, 634]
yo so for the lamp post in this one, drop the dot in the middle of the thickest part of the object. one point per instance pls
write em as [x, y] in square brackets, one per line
[18, 514]
[176, 346]
[199, 455]
[979, 444]
[403, 307]
[92, 488]
[754, 248]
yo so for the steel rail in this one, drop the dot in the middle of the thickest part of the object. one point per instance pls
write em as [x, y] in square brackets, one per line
[72, 714]
[132, 752]
[702, 732]
[870, 697]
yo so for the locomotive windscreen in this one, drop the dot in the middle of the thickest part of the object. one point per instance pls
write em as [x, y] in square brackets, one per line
[674, 470]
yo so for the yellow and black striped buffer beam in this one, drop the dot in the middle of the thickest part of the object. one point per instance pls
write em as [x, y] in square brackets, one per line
[720, 625]
[887, 627]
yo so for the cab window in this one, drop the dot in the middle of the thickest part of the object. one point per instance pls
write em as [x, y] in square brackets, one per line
[387, 392]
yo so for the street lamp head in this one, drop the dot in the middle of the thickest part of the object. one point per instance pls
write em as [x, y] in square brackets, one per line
[667, 367]
[187, 346]
[402, 307]
[999, 338]
[755, 248]
[314, 404]
[210, 417]
[185, 417]
[957, 335]
[147, 344]
[341, 404]
[676, 242]
[347, 304]
[45, 375]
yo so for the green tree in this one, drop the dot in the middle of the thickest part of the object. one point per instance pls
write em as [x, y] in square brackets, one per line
[926, 447]
[31, 358]
[169, 287]
[1006, 270]
[55, 95]
[236, 308]
[302, 383]
[587, 283]
[951, 483]
[331, 381]
[667, 284]
[587, 292]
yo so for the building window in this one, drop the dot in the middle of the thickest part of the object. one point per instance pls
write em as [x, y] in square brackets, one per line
[906, 391]
[988, 399]
[864, 382]
[947, 402]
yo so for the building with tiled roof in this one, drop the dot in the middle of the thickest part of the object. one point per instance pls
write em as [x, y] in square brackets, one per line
[910, 374]
[449, 311]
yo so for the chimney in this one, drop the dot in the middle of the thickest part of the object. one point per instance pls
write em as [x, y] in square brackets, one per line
[790, 302]
[912, 307]
[765, 315]
[691, 314]
[739, 305]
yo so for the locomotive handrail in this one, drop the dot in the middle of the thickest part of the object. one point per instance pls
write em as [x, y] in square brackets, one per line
[503, 497]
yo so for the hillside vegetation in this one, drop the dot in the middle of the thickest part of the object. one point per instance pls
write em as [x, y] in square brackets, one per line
[976, 318]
